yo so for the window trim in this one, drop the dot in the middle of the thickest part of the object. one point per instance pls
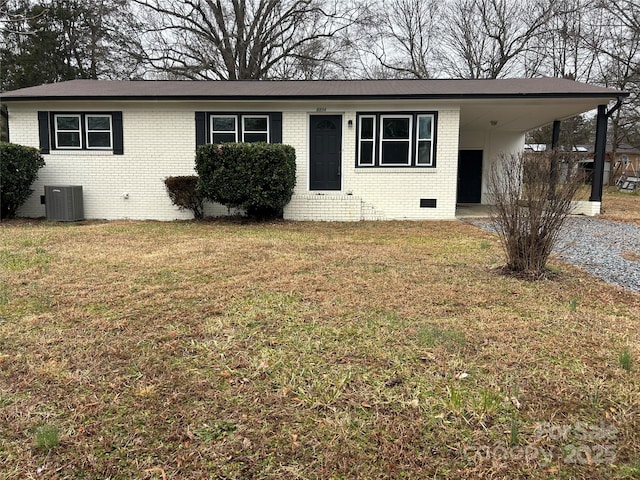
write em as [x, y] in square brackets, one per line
[58, 130]
[418, 140]
[413, 145]
[245, 131]
[84, 139]
[361, 140]
[203, 124]
[212, 132]
[47, 137]
[408, 140]
[87, 131]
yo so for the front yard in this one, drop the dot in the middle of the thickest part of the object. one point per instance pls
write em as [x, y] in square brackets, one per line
[302, 350]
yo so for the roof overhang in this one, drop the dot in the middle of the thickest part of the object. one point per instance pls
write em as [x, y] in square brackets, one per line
[505, 105]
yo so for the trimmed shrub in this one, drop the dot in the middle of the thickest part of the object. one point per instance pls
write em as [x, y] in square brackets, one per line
[19, 167]
[256, 177]
[184, 194]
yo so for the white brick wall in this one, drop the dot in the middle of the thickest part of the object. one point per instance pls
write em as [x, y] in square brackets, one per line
[159, 141]
[394, 191]
[157, 144]
[494, 145]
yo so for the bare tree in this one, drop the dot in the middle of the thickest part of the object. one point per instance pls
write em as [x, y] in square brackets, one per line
[619, 52]
[486, 38]
[564, 47]
[239, 39]
[403, 40]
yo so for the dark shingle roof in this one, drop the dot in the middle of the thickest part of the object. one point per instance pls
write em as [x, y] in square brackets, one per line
[319, 89]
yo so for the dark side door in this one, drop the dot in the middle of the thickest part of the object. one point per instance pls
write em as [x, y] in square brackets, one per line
[325, 157]
[469, 176]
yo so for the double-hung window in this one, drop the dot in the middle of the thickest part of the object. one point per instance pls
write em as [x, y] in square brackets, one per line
[424, 141]
[255, 128]
[396, 139]
[366, 140]
[68, 131]
[83, 131]
[99, 131]
[224, 128]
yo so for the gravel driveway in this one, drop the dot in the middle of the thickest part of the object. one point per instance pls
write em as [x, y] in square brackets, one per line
[597, 246]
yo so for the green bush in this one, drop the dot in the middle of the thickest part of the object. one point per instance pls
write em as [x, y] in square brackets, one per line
[19, 167]
[184, 193]
[256, 177]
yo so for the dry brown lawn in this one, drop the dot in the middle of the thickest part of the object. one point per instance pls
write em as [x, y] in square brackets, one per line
[621, 206]
[306, 351]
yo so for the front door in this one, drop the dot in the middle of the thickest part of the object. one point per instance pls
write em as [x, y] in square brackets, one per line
[325, 159]
[469, 176]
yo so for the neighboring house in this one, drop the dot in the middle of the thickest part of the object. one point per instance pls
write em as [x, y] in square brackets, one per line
[371, 149]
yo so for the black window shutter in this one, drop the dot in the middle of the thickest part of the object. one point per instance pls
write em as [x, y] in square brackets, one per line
[275, 127]
[118, 143]
[43, 131]
[201, 128]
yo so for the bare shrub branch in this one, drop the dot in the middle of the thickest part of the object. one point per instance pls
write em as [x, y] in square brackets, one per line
[532, 196]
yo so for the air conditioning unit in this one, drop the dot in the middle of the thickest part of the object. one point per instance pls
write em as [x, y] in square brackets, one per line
[64, 203]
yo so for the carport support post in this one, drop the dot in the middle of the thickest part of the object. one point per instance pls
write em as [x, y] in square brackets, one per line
[555, 139]
[599, 153]
[555, 134]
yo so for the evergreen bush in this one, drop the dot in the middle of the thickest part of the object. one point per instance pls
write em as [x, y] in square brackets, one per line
[256, 177]
[19, 167]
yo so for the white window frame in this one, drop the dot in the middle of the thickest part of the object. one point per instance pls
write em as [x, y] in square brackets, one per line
[408, 140]
[419, 139]
[245, 131]
[213, 132]
[367, 140]
[57, 130]
[87, 131]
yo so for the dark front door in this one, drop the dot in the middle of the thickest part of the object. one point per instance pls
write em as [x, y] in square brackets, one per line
[469, 176]
[325, 162]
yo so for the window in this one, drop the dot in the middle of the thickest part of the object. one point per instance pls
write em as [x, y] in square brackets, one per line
[255, 128]
[83, 131]
[248, 127]
[80, 131]
[396, 139]
[424, 152]
[366, 140]
[223, 129]
[99, 131]
[68, 133]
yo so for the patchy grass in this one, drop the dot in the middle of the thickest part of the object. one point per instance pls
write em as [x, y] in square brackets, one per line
[300, 350]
